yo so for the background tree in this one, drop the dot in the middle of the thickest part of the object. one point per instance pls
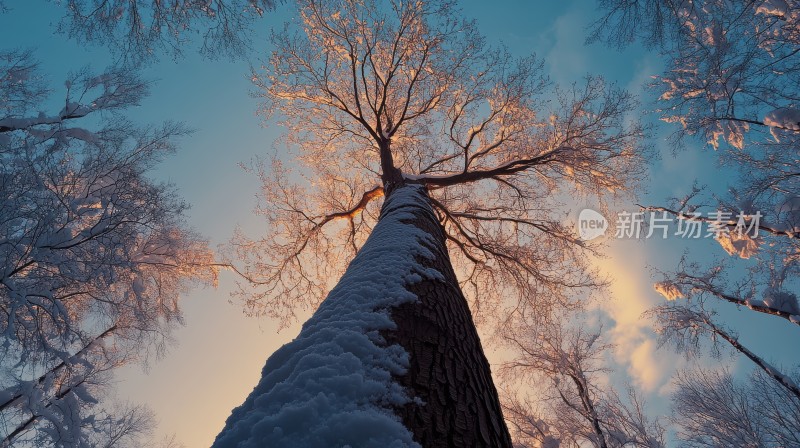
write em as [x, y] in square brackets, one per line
[732, 80]
[139, 30]
[715, 409]
[94, 253]
[379, 98]
[573, 409]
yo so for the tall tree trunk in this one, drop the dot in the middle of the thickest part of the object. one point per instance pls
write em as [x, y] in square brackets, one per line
[447, 368]
[391, 358]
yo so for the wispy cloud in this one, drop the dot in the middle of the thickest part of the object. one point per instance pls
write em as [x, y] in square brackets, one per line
[636, 347]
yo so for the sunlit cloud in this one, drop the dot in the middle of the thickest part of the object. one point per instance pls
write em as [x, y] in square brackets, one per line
[636, 347]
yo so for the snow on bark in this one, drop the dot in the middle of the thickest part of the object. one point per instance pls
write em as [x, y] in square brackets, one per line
[780, 377]
[781, 300]
[333, 384]
[741, 245]
[669, 290]
[786, 118]
[774, 8]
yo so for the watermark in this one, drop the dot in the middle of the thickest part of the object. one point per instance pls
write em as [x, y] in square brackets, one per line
[591, 224]
[660, 224]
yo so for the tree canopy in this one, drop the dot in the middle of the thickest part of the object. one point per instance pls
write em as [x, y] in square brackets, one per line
[142, 30]
[372, 92]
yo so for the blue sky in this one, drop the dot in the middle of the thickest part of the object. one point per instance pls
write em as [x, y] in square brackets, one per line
[220, 352]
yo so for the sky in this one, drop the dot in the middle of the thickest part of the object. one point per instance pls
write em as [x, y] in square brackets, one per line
[219, 352]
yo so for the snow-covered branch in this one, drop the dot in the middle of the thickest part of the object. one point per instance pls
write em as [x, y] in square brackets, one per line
[775, 302]
[685, 325]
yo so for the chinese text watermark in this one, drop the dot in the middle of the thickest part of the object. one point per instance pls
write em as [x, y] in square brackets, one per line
[660, 224]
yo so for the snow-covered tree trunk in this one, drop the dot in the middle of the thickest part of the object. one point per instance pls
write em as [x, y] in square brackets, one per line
[390, 358]
[447, 367]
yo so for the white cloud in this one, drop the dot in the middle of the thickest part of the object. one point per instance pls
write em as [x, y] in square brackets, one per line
[636, 347]
[568, 57]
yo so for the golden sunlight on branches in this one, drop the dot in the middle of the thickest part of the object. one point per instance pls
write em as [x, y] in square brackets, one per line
[411, 92]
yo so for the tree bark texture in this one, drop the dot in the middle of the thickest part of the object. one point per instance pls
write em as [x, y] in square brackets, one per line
[390, 358]
[448, 370]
